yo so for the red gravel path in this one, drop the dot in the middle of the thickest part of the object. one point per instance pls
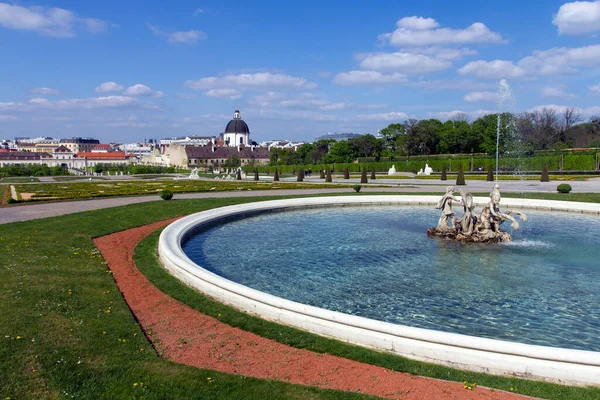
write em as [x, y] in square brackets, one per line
[190, 337]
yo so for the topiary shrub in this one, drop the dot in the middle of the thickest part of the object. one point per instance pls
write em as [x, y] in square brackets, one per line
[328, 176]
[238, 176]
[165, 194]
[460, 179]
[373, 174]
[564, 188]
[276, 176]
[490, 175]
[321, 174]
[546, 175]
[300, 175]
[443, 177]
[356, 188]
[363, 177]
[346, 173]
[256, 175]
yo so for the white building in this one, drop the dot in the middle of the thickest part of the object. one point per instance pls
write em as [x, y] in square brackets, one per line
[236, 132]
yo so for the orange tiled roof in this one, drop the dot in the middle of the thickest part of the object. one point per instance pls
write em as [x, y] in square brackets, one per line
[117, 155]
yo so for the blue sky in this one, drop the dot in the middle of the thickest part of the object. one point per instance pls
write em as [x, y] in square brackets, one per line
[124, 70]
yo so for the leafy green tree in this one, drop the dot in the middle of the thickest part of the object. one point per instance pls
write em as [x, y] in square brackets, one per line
[339, 152]
[390, 135]
[233, 162]
[366, 146]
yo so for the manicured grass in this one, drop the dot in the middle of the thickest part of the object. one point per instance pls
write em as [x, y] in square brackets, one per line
[57, 299]
[483, 177]
[147, 262]
[65, 330]
[18, 179]
[87, 190]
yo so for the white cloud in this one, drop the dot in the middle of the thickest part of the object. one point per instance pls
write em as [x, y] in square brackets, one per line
[417, 23]
[391, 116]
[106, 87]
[578, 18]
[8, 118]
[418, 31]
[594, 110]
[595, 88]
[56, 22]
[259, 80]
[188, 37]
[198, 11]
[450, 115]
[304, 101]
[481, 96]
[44, 90]
[368, 77]
[557, 92]
[407, 63]
[555, 61]
[225, 93]
[493, 69]
[142, 90]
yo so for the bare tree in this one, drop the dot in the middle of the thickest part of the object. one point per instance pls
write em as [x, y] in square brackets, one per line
[461, 117]
[570, 117]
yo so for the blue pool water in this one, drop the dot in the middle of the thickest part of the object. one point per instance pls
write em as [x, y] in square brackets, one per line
[377, 262]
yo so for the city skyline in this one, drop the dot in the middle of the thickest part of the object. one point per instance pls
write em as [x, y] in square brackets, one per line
[116, 72]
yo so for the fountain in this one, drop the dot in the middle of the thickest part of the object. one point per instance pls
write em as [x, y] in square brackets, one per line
[470, 228]
[367, 276]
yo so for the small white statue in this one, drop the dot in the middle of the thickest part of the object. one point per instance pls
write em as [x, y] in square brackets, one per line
[392, 171]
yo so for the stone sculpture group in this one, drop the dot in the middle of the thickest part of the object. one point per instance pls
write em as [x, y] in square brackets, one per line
[484, 228]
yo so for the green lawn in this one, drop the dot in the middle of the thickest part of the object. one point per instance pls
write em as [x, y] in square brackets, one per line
[66, 331]
[94, 189]
[18, 179]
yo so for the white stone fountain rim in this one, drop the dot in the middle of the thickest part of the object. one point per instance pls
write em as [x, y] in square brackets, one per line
[457, 350]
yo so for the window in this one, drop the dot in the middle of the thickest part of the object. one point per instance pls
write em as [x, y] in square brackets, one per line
[242, 140]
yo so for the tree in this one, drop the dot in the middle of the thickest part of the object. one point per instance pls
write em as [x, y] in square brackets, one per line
[545, 175]
[390, 136]
[460, 178]
[339, 152]
[490, 173]
[363, 177]
[305, 153]
[366, 146]
[233, 161]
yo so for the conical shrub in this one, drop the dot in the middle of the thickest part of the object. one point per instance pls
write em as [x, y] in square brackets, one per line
[255, 174]
[328, 176]
[363, 177]
[373, 175]
[490, 175]
[346, 173]
[238, 176]
[443, 177]
[300, 175]
[460, 179]
[276, 176]
[545, 174]
[322, 174]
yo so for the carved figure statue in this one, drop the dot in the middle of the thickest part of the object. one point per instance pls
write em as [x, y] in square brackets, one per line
[445, 204]
[392, 171]
[482, 229]
[467, 222]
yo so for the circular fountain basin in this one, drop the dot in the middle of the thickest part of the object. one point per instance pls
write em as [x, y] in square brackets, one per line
[433, 345]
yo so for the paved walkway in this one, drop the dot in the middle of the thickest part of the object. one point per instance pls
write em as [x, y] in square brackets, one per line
[27, 212]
